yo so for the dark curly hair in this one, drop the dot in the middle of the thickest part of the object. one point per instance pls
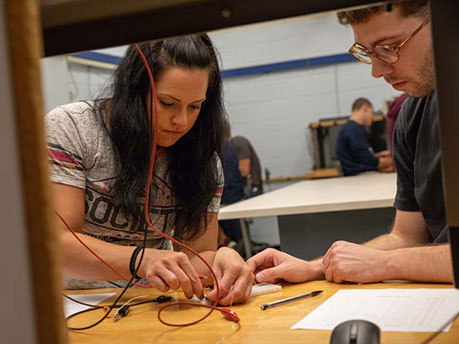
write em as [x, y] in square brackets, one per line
[193, 159]
[407, 8]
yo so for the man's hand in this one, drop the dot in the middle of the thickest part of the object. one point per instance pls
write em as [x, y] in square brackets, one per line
[234, 277]
[384, 153]
[348, 262]
[385, 164]
[271, 265]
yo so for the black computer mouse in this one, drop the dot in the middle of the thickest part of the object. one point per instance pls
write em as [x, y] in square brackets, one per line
[356, 332]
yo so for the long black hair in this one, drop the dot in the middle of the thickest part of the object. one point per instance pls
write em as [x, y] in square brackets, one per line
[193, 159]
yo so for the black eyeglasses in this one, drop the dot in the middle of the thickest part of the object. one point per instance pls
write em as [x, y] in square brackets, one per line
[385, 53]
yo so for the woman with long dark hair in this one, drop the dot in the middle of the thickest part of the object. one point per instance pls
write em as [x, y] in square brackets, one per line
[100, 154]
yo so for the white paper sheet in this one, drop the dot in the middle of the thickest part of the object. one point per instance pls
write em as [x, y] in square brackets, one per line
[405, 310]
[71, 307]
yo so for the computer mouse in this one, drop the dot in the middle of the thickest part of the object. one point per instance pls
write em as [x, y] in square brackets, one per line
[356, 332]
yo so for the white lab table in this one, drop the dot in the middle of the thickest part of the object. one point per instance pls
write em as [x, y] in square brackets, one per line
[314, 213]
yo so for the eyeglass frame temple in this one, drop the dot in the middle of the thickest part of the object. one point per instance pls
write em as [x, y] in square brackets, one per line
[400, 45]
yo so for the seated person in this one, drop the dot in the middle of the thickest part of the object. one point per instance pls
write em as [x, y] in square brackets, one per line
[236, 187]
[417, 247]
[353, 149]
[249, 164]
[391, 118]
[233, 191]
[100, 158]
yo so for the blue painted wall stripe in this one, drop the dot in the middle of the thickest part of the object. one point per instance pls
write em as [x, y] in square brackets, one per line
[99, 57]
[261, 69]
[294, 64]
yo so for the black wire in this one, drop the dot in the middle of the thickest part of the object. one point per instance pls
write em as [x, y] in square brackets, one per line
[144, 244]
[81, 312]
[106, 314]
[94, 307]
[435, 334]
[120, 295]
[82, 303]
[114, 305]
[115, 284]
[120, 286]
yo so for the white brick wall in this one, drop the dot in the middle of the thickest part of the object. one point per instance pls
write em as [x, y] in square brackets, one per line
[282, 40]
[272, 110]
[87, 82]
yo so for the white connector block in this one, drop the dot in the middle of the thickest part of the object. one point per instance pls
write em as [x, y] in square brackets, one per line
[264, 288]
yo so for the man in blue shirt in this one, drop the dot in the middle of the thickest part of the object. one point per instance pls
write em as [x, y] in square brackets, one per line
[353, 149]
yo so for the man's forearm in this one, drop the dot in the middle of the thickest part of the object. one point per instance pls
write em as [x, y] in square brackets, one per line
[390, 241]
[421, 264]
[316, 267]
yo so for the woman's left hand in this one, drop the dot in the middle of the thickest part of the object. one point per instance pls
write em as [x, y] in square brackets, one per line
[234, 277]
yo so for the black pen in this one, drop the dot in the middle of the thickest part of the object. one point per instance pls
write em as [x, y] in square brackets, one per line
[290, 299]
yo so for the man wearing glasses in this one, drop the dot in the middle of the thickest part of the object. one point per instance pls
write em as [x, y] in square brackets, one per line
[395, 40]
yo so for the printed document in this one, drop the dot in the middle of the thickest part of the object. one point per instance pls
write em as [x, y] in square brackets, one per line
[405, 310]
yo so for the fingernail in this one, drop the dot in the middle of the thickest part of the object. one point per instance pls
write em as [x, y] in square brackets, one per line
[261, 277]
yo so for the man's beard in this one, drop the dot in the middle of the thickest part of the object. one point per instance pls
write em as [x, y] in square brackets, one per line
[425, 82]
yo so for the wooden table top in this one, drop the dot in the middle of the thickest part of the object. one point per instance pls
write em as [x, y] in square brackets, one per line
[256, 326]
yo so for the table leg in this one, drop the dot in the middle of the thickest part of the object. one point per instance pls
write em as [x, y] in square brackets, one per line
[246, 239]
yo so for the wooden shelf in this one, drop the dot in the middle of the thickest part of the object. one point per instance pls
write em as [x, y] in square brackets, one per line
[77, 25]
[342, 121]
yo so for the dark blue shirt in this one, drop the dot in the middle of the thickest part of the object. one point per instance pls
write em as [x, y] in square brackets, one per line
[233, 190]
[354, 151]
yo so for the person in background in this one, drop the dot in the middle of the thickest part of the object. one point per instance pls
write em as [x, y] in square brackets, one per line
[100, 156]
[396, 41]
[353, 149]
[250, 170]
[391, 119]
[249, 165]
[233, 191]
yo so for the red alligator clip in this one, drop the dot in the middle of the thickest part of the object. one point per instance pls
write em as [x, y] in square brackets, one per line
[230, 315]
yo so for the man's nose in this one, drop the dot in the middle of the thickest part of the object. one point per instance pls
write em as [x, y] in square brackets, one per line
[380, 68]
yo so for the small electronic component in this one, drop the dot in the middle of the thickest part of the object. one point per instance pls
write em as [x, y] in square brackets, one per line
[264, 288]
[230, 314]
[163, 298]
[122, 312]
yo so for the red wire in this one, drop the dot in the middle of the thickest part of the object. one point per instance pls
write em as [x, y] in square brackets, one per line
[147, 201]
[97, 256]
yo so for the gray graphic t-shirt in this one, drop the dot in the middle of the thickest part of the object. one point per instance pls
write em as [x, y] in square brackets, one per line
[82, 155]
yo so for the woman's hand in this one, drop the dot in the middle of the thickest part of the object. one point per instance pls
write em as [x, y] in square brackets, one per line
[234, 277]
[166, 270]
